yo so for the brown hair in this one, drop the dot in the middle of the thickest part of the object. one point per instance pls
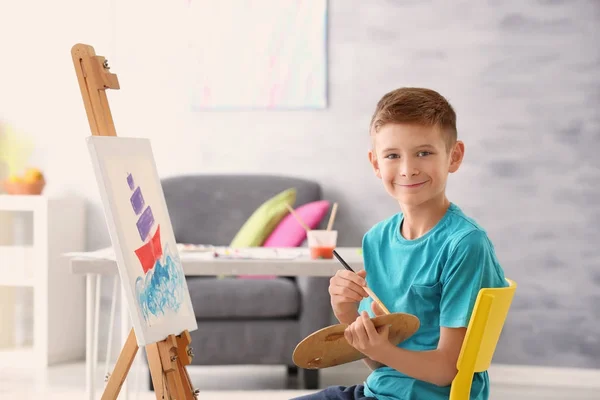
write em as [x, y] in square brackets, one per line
[416, 106]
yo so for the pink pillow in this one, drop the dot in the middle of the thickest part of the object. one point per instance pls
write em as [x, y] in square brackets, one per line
[289, 233]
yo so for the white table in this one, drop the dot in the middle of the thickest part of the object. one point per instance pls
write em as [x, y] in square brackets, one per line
[96, 265]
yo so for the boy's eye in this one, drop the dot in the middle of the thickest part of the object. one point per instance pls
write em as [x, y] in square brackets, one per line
[392, 156]
[423, 153]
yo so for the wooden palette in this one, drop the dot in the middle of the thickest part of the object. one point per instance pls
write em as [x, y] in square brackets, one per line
[328, 347]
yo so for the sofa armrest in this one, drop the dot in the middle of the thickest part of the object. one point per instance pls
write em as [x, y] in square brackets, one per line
[315, 312]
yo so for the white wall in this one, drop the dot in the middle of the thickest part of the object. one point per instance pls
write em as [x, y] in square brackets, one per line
[524, 78]
[39, 93]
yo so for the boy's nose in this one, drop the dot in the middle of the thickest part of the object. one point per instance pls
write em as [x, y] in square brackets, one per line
[408, 170]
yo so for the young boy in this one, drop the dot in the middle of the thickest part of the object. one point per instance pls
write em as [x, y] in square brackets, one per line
[429, 260]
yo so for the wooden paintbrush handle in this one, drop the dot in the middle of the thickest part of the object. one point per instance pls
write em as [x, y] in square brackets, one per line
[297, 217]
[376, 300]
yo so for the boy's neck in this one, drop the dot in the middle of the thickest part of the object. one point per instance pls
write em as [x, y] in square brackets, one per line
[418, 220]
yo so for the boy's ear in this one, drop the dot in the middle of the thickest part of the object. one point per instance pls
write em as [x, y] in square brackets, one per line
[374, 163]
[456, 157]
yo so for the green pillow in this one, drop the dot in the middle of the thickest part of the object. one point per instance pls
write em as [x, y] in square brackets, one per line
[264, 220]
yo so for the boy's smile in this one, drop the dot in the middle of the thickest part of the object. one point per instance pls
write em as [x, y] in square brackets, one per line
[411, 186]
[413, 162]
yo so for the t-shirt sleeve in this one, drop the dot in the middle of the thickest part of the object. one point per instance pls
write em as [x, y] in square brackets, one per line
[471, 266]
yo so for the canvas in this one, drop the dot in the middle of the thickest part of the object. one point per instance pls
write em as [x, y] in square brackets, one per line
[142, 237]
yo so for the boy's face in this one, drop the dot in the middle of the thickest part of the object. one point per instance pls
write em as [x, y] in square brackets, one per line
[413, 161]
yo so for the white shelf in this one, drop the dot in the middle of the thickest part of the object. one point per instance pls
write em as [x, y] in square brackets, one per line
[16, 265]
[17, 282]
[55, 226]
[9, 202]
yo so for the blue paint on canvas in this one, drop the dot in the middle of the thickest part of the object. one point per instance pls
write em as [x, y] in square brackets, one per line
[162, 289]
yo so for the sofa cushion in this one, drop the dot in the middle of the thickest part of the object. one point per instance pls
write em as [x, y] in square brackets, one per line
[264, 219]
[289, 232]
[228, 298]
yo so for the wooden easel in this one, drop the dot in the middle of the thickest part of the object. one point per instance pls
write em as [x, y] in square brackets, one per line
[166, 359]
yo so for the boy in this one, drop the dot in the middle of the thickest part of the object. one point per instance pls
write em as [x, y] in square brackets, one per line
[429, 260]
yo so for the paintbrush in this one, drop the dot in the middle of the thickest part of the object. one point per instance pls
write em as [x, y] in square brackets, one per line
[369, 291]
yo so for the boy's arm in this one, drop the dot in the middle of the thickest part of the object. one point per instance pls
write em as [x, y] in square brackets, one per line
[372, 364]
[434, 366]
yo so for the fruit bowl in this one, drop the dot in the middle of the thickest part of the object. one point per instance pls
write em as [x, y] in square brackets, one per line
[31, 188]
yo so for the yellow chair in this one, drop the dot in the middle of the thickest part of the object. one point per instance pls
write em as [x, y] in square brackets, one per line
[483, 332]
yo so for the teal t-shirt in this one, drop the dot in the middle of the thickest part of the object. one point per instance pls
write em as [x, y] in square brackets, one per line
[437, 278]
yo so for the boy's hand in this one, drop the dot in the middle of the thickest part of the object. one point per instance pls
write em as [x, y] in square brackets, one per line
[364, 337]
[346, 289]
[376, 310]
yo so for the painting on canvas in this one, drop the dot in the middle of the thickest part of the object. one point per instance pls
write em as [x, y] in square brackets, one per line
[142, 237]
[269, 54]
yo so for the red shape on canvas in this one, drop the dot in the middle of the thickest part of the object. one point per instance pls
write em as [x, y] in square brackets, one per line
[150, 251]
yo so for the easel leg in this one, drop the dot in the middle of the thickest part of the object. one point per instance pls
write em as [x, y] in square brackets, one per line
[185, 358]
[155, 367]
[169, 360]
[188, 391]
[113, 387]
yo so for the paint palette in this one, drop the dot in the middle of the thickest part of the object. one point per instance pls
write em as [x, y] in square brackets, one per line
[328, 347]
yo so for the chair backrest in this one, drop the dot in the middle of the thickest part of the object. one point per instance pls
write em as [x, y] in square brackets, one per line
[483, 332]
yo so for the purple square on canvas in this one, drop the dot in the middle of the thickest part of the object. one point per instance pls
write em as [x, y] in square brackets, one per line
[145, 222]
[130, 182]
[137, 201]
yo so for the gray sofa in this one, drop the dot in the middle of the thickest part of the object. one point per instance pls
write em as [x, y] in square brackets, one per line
[243, 321]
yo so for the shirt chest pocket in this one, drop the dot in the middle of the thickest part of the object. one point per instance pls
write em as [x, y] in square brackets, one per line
[425, 303]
